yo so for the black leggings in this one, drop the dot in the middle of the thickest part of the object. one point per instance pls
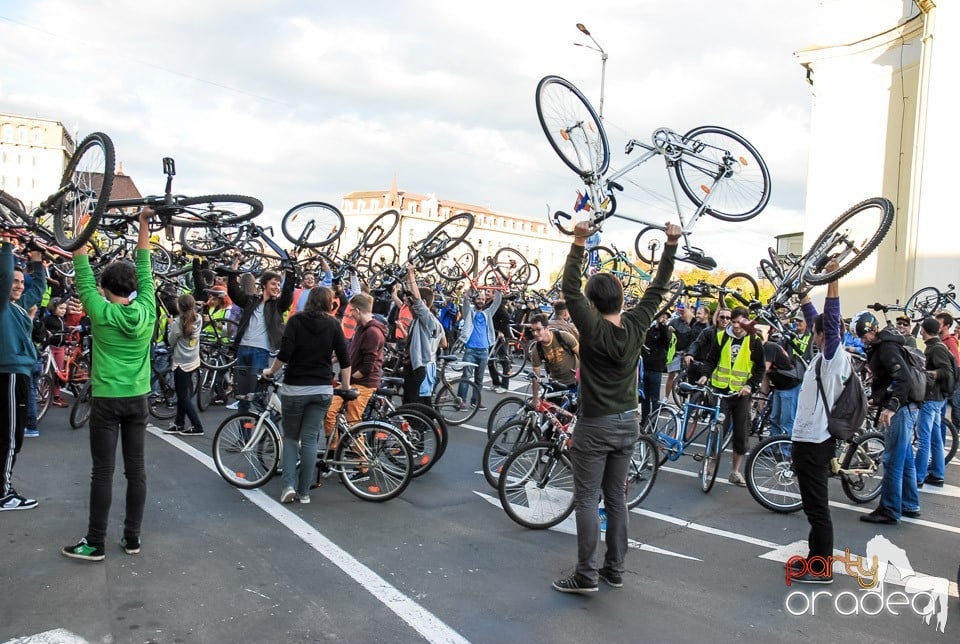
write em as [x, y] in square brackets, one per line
[14, 389]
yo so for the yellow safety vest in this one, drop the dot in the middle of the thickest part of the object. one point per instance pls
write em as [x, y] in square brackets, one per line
[729, 374]
[802, 342]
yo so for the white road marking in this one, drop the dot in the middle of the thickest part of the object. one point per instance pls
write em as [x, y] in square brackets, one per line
[430, 627]
[569, 526]
[56, 636]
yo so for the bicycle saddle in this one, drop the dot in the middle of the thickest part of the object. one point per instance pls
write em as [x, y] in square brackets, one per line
[347, 394]
[696, 257]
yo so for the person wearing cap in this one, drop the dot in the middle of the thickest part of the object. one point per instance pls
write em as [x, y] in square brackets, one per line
[684, 332]
[802, 340]
[903, 327]
[891, 393]
[735, 364]
[941, 372]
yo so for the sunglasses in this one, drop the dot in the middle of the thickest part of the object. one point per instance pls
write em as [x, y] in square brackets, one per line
[901, 323]
[723, 317]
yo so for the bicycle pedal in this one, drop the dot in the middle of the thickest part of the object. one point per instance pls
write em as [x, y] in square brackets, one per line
[697, 457]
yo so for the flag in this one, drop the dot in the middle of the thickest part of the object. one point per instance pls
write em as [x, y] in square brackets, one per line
[582, 203]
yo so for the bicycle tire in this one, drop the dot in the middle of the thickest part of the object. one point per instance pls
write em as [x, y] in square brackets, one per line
[506, 410]
[923, 303]
[820, 250]
[44, 395]
[440, 240]
[208, 242]
[745, 285]
[770, 477]
[711, 458]
[745, 191]
[951, 442]
[241, 465]
[771, 272]
[863, 488]
[80, 412]
[505, 361]
[160, 260]
[88, 179]
[536, 486]
[422, 435]
[503, 443]
[512, 264]
[447, 402]
[380, 229]
[606, 261]
[572, 126]
[216, 344]
[12, 212]
[674, 290]
[382, 255]
[164, 406]
[213, 210]
[324, 218]
[646, 244]
[437, 420]
[205, 392]
[384, 452]
[643, 471]
[663, 420]
[457, 264]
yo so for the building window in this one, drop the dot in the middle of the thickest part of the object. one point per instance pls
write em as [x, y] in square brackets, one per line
[7, 132]
[37, 136]
[22, 134]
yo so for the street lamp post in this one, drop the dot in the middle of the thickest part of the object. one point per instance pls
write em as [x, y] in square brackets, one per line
[603, 60]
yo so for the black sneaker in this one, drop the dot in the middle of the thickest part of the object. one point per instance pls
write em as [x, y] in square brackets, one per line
[612, 578]
[130, 546]
[84, 550]
[193, 431]
[913, 514]
[933, 480]
[574, 584]
[879, 516]
[481, 407]
[810, 578]
[173, 429]
[14, 501]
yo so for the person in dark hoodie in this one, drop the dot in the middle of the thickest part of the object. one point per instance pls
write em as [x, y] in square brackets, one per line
[891, 393]
[366, 360]
[309, 340]
[941, 374]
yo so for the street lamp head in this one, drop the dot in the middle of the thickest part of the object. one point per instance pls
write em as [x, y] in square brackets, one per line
[583, 28]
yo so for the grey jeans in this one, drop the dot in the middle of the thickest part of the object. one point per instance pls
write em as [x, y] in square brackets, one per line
[600, 454]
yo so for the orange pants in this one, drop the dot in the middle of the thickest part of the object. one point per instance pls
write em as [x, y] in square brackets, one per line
[354, 408]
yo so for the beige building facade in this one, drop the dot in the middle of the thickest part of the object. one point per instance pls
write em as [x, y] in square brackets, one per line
[538, 241]
[882, 124]
[33, 155]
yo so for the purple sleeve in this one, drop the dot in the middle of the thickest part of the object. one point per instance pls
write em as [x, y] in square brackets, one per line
[831, 326]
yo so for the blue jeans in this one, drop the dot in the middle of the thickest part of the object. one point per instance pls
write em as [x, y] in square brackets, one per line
[479, 357]
[651, 392]
[253, 357]
[783, 410]
[899, 488]
[302, 421]
[600, 456]
[929, 458]
[160, 359]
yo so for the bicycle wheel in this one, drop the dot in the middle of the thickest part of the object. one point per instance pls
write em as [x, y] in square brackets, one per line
[743, 188]
[44, 394]
[711, 458]
[458, 263]
[506, 362]
[444, 237]
[504, 442]
[160, 260]
[209, 241]
[512, 264]
[213, 210]
[206, 379]
[382, 255]
[164, 406]
[12, 211]
[507, 410]
[312, 224]
[86, 185]
[572, 126]
[950, 443]
[536, 486]
[674, 290]
[663, 423]
[770, 475]
[422, 435]
[380, 229]
[216, 344]
[923, 303]
[80, 413]
[849, 240]
[436, 419]
[649, 245]
[606, 261]
[375, 460]
[771, 272]
[454, 409]
[643, 471]
[744, 285]
[865, 455]
[242, 460]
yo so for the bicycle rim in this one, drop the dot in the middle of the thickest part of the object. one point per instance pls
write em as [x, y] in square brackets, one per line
[864, 453]
[923, 303]
[444, 237]
[850, 240]
[770, 475]
[711, 459]
[214, 210]
[376, 461]
[536, 486]
[456, 410]
[208, 241]
[503, 443]
[643, 471]
[572, 127]
[88, 180]
[241, 462]
[380, 229]
[312, 224]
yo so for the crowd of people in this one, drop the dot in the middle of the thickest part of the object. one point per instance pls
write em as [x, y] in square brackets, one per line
[330, 338]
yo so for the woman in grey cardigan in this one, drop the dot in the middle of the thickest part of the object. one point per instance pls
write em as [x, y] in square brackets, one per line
[423, 339]
[183, 338]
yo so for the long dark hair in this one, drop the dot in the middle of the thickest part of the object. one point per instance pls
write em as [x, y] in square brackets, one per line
[188, 314]
[320, 302]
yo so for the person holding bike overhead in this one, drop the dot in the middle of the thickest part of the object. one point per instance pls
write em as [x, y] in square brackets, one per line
[735, 363]
[479, 336]
[607, 425]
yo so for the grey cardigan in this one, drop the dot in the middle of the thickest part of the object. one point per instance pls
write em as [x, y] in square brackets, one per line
[186, 350]
[424, 336]
[469, 311]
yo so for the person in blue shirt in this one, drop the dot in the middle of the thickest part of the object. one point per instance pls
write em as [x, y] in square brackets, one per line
[479, 336]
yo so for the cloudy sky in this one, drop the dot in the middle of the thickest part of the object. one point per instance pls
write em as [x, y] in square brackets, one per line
[294, 101]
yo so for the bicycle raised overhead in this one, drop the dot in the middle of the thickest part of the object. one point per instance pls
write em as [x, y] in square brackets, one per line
[718, 170]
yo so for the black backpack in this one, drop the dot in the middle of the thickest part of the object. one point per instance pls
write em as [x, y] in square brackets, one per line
[566, 346]
[916, 372]
[850, 409]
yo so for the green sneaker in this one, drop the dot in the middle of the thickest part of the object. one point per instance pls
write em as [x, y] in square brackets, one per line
[84, 550]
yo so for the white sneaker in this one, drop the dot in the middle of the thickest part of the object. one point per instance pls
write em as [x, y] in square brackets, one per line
[288, 495]
[234, 405]
[303, 499]
[499, 390]
[737, 479]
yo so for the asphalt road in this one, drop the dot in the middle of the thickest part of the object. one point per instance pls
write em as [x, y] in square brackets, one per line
[441, 563]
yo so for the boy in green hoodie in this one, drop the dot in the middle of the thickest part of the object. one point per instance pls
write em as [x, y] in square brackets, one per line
[122, 320]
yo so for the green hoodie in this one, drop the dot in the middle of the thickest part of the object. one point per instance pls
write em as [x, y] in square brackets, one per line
[121, 333]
